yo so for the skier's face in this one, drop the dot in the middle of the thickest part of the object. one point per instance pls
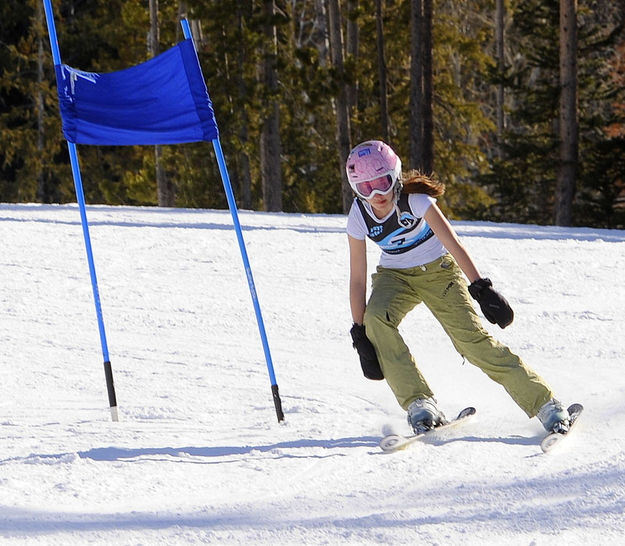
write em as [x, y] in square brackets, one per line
[381, 204]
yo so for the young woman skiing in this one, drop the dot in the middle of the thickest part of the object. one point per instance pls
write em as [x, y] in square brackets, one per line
[423, 261]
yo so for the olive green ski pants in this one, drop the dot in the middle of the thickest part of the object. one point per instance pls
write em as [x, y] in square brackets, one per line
[441, 286]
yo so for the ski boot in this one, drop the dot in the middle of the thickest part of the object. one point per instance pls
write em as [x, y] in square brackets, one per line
[554, 417]
[423, 415]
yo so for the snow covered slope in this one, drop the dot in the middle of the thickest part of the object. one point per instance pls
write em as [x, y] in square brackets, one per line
[198, 455]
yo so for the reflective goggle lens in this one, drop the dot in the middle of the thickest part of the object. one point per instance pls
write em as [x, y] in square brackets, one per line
[382, 185]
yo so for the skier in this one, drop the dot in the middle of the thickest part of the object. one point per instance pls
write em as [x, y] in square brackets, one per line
[423, 260]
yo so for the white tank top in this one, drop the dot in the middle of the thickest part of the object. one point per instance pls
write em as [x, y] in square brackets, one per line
[405, 238]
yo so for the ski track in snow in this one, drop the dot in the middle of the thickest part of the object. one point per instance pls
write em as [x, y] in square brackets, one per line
[198, 456]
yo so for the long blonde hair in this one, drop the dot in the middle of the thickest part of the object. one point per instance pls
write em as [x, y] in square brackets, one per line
[416, 182]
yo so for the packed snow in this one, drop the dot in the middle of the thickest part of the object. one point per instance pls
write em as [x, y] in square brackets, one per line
[198, 455]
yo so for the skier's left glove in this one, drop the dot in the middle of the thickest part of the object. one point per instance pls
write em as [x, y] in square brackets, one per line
[366, 352]
[494, 306]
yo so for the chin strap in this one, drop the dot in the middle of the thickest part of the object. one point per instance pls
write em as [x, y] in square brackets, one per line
[398, 213]
[398, 187]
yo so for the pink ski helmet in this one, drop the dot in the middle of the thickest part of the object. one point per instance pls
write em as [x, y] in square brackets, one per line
[373, 167]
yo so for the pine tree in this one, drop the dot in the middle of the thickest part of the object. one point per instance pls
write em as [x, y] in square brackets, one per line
[30, 137]
[524, 182]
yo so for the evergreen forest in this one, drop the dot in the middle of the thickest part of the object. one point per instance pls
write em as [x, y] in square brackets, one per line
[474, 93]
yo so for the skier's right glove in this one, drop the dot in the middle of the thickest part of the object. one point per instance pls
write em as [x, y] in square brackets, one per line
[494, 306]
[366, 352]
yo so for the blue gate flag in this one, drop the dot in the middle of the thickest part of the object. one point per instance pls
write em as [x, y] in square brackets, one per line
[161, 101]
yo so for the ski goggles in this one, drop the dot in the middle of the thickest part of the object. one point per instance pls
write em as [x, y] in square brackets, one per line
[381, 185]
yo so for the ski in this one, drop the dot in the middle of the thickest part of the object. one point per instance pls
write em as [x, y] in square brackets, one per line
[396, 442]
[554, 438]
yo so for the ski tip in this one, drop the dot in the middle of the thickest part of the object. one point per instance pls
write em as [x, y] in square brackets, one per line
[575, 408]
[466, 412]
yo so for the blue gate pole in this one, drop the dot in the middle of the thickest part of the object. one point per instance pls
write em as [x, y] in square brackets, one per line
[80, 197]
[225, 178]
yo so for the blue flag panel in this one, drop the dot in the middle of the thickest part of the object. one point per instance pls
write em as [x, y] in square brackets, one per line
[161, 101]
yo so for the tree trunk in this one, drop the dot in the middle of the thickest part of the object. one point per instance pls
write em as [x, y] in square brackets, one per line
[352, 54]
[384, 119]
[499, 54]
[322, 45]
[428, 121]
[244, 160]
[42, 190]
[164, 188]
[568, 113]
[271, 173]
[415, 160]
[341, 106]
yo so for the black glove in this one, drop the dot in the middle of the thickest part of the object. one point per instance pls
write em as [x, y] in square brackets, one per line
[368, 359]
[494, 306]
